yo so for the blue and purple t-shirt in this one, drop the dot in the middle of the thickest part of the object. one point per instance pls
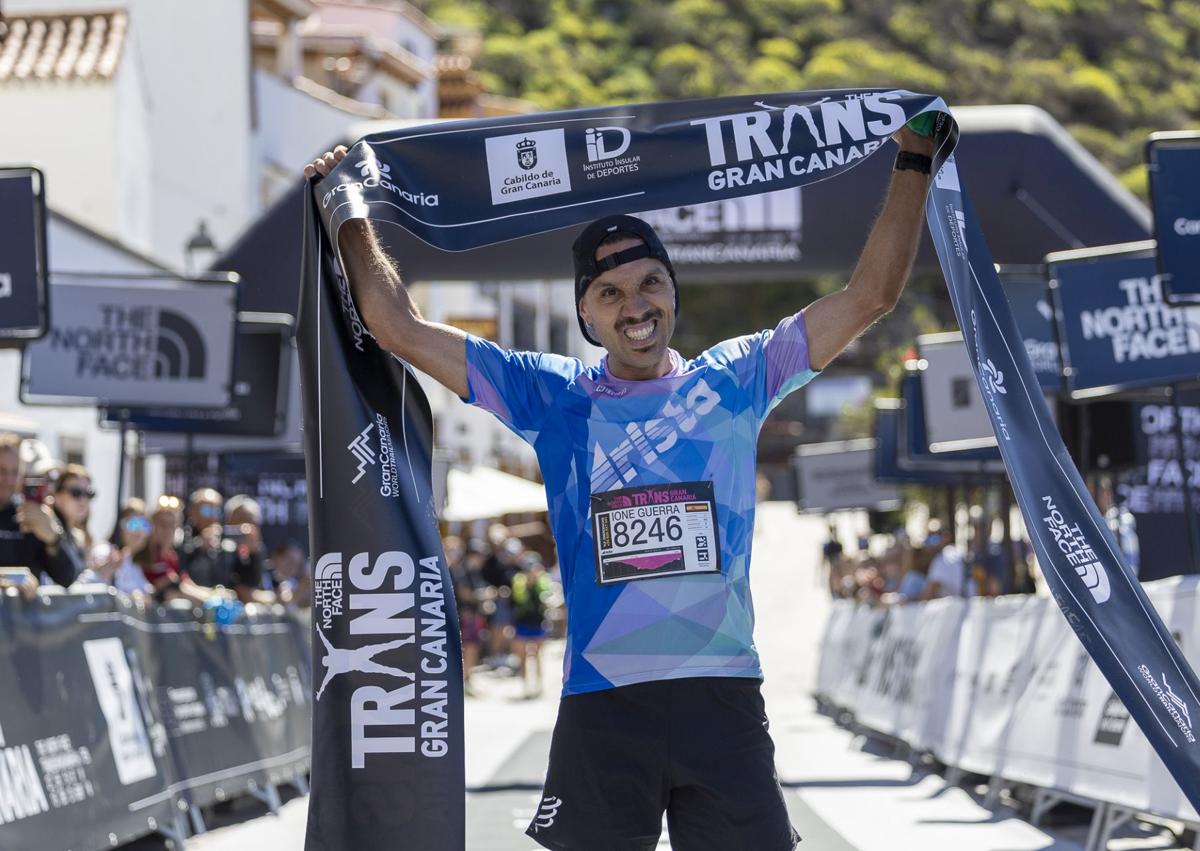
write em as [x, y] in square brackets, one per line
[651, 488]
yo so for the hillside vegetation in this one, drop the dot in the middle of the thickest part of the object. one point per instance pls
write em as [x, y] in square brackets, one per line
[1112, 71]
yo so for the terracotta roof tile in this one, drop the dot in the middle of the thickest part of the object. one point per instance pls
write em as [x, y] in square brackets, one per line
[62, 47]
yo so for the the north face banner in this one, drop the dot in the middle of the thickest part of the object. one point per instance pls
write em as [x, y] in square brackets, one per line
[466, 184]
[138, 341]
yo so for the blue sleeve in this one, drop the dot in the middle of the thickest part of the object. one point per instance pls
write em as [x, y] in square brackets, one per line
[769, 364]
[519, 388]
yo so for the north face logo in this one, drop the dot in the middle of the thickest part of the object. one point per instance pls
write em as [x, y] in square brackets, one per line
[180, 349]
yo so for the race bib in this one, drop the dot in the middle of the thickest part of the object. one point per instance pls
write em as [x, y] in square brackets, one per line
[655, 530]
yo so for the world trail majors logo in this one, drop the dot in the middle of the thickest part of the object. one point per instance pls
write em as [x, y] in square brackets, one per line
[527, 154]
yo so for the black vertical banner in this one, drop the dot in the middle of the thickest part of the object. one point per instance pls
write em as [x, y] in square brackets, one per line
[387, 763]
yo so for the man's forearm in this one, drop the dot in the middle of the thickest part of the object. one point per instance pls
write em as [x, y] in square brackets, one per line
[379, 291]
[886, 261]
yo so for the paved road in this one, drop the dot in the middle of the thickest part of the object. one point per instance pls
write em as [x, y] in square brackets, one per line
[841, 797]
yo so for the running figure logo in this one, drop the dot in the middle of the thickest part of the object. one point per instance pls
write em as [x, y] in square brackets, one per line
[361, 659]
[546, 813]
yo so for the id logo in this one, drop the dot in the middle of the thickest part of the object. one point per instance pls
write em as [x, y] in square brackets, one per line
[527, 165]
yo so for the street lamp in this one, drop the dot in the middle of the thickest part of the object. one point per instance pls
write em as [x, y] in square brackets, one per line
[200, 249]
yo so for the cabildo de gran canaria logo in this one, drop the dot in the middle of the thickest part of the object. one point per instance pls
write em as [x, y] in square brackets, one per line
[838, 130]
[376, 175]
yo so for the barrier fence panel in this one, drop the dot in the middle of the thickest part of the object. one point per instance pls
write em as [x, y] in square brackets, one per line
[224, 702]
[75, 740]
[915, 671]
[1003, 687]
[993, 666]
[115, 716]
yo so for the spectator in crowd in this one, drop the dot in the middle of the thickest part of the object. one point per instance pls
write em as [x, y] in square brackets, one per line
[831, 551]
[112, 562]
[289, 575]
[531, 590]
[31, 536]
[216, 556]
[244, 518]
[498, 570]
[465, 563]
[990, 562]
[947, 575]
[70, 501]
[201, 556]
[912, 583]
[159, 559]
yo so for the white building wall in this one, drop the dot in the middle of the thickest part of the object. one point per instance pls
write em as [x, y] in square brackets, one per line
[70, 131]
[293, 128]
[195, 61]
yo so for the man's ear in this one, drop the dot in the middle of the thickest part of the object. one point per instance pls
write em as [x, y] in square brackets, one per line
[584, 315]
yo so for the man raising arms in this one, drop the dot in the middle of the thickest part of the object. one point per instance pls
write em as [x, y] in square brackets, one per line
[649, 463]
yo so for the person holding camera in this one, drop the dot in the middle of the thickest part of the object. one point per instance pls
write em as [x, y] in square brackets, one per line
[32, 535]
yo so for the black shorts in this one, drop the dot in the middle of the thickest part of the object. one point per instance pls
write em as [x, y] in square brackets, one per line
[697, 749]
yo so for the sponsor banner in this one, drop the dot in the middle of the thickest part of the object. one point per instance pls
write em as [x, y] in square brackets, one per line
[234, 699]
[754, 230]
[511, 180]
[854, 655]
[258, 404]
[1019, 697]
[128, 341]
[113, 714]
[1173, 164]
[991, 668]
[838, 475]
[82, 766]
[1152, 491]
[387, 662]
[905, 686]
[24, 310]
[1117, 330]
[1029, 299]
[691, 152]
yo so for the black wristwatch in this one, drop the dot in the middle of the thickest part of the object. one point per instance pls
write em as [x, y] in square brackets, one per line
[915, 162]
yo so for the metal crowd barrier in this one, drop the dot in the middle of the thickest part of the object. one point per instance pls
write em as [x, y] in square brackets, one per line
[1003, 688]
[119, 719]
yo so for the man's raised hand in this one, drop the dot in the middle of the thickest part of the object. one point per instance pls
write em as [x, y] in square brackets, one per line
[324, 164]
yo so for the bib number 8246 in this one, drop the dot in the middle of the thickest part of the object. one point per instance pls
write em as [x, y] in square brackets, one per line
[638, 531]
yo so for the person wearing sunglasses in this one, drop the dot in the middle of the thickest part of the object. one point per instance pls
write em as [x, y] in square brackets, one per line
[112, 562]
[30, 533]
[160, 560]
[70, 501]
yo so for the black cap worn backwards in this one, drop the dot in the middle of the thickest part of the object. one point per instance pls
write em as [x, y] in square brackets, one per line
[587, 268]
